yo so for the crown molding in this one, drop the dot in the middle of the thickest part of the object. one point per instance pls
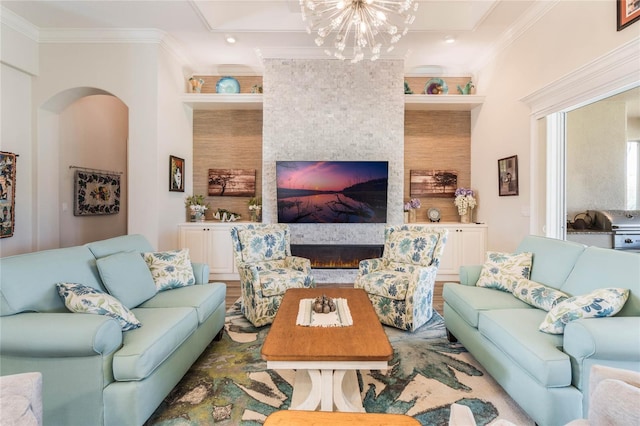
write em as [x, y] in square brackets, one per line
[19, 24]
[101, 35]
[515, 31]
[616, 71]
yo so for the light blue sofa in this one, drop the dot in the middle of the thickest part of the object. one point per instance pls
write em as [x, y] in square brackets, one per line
[546, 374]
[93, 373]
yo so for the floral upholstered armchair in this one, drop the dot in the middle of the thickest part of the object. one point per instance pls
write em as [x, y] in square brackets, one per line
[267, 269]
[400, 283]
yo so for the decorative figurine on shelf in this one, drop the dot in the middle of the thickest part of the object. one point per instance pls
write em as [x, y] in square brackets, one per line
[226, 216]
[256, 88]
[324, 305]
[466, 90]
[407, 89]
[197, 207]
[196, 84]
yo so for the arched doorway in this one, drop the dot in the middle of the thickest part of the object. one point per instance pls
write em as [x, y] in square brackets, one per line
[83, 128]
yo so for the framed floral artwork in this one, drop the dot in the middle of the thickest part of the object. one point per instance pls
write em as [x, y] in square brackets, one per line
[176, 174]
[628, 12]
[7, 193]
[508, 176]
[96, 193]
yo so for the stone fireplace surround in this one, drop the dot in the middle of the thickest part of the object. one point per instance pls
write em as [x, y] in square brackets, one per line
[336, 111]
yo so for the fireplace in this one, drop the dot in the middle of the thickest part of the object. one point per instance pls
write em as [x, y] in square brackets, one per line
[334, 256]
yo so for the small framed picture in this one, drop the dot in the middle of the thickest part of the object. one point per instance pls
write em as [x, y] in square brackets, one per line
[628, 12]
[176, 174]
[508, 176]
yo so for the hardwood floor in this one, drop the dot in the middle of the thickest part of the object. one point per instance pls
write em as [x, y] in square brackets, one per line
[233, 293]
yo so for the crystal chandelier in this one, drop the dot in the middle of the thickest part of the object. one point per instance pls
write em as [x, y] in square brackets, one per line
[365, 25]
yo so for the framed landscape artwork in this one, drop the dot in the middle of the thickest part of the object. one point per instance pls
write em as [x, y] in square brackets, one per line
[7, 193]
[628, 12]
[176, 174]
[96, 193]
[508, 176]
[433, 183]
[232, 182]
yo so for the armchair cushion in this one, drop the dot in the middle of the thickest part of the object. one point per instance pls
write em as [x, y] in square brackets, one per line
[388, 283]
[170, 269]
[274, 282]
[263, 244]
[127, 278]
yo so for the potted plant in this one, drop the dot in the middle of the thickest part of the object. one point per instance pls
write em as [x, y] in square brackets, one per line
[197, 207]
[255, 209]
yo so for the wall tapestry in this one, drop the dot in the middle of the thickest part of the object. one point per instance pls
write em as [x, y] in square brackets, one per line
[176, 174]
[96, 193]
[7, 193]
[433, 183]
[232, 182]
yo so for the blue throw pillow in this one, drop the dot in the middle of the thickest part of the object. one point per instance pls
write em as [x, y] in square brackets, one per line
[127, 277]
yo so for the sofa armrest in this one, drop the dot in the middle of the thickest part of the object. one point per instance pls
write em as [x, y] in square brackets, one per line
[469, 274]
[611, 338]
[200, 272]
[367, 266]
[59, 335]
[299, 263]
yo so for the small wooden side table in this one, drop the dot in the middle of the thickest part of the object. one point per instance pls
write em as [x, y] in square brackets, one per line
[337, 418]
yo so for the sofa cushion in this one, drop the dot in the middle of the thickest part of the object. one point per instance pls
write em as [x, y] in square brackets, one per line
[263, 244]
[127, 277]
[469, 301]
[205, 298]
[410, 246]
[144, 349]
[514, 331]
[28, 281]
[88, 300]
[133, 242]
[501, 271]
[387, 283]
[170, 269]
[553, 259]
[600, 268]
[274, 282]
[604, 302]
[538, 295]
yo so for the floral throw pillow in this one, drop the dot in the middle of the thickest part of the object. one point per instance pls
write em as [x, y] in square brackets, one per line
[538, 295]
[84, 299]
[170, 269]
[502, 271]
[604, 302]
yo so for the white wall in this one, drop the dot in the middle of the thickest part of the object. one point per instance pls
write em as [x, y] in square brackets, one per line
[569, 36]
[596, 158]
[15, 137]
[93, 134]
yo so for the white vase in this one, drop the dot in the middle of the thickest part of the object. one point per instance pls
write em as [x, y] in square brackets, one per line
[467, 217]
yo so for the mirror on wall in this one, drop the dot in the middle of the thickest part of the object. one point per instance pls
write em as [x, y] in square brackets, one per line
[603, 155]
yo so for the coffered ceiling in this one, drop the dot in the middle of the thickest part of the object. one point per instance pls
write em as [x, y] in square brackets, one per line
[197, 30]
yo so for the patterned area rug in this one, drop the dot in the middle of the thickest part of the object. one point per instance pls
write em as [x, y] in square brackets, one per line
[230, 384]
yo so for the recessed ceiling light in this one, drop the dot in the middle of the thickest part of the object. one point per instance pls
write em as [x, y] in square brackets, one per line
[449, 39]
[230, 39]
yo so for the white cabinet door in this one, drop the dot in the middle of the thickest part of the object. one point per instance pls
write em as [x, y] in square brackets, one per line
[221, 257]
[210, 243]
[466, 245]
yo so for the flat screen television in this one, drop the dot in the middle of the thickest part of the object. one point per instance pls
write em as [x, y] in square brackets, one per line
[332, 191]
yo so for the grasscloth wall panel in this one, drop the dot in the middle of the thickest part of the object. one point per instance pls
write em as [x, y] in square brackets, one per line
[226, 140]
[438, 140]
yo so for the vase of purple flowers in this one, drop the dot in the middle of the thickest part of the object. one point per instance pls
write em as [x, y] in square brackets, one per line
[465, 201]
[410, 208]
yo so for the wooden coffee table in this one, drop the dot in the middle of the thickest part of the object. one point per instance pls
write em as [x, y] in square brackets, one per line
[326, 358]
